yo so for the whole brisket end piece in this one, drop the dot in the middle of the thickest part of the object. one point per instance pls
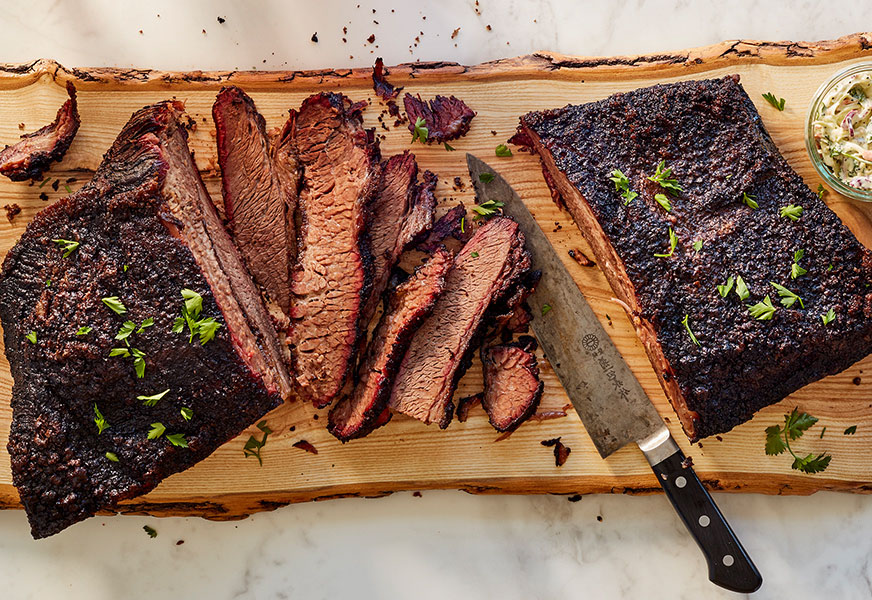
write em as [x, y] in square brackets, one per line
[32, 156]
[710, 134]
[258, 205]
[440, 351]
[512, 388]
[146, 229]
[408, 305]
[331, 282]
[447, 117]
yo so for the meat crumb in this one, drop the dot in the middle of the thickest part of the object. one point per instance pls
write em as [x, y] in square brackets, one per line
[12, 211]
[561, 450]
[43, 196]
[719, 438]
[687, 463]
[599, 518]
[574, 498]
[856, 381]
[488, 28]
[307, 446]
[222, 20]
[315, 37]
[371, 38]
[581, 258]
[180, 542]
[493, 131]
[416, 494]
[21, 126]
[458, 184]
[454, 33]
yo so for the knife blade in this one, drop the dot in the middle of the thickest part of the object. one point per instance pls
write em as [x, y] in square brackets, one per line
[608, 398]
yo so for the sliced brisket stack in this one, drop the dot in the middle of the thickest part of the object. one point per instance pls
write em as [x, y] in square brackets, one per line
[710, 135]
[32, 156]
[440, 351]
[409, 304]
[512, 387]
[331, 283]
[259, 185]
[122, 249]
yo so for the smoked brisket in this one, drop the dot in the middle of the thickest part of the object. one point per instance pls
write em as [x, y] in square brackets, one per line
[728, 222]
[440, 351]
[123, 248]
[512, 388]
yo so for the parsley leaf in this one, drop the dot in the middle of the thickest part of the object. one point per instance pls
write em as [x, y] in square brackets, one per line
[686, 324]
[487, 208]
[119, 352]
[663, 201]
[795, 269]
[774, 444]
[31, 337]
[126, 329]
[791, 211]
[449, 148]
[151, 531]
[205, 328]
[742, 289]
[622, 184]
[821, 191]
[253, 446]
[85, 330]
[750, 200]
[115, 304]
[762, 311]
[177, 439]
[788, 298]
[778, 440]
[99, 420]
[697, 245]
[546, 308]
[486, 177]
[503, 150]
[193, 302]
[851, 430]
[153, 399]
[663, 176]
[420, 131]
[673, 242]
[157, 430]
[776, 102]
[474, 254]
[812, 464]
[145, 324]
[187, 413]
[138, 362]
[111, 456]
[724, 289]
[828, 317]
[68, 246]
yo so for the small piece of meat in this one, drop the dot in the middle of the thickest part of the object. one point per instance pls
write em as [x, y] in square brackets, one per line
[512, 388]
[32, 156]
[258, 207]
[447, 118]
[421, 214]
[12, 211]
[451, 224]
[331, 282]
[380, 84]
[305, 445]
[440, 351]
[464, 405]
[511, 314]
[408, 306]
[581, 258]
[561, 451]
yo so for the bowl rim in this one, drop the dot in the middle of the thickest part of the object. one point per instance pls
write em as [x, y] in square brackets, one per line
[823, 170]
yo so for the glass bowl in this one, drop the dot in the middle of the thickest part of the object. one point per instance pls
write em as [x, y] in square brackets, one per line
[824, 170]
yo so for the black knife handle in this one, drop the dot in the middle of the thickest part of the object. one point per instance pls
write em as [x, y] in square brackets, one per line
[728, 564]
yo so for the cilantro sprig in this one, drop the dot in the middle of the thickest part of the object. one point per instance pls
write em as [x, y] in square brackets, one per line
[486, 209]
[193, 306]
[776, 102]
[253, 446]
[420, 131]
[778, 440]
[622, 184]
[828, 317]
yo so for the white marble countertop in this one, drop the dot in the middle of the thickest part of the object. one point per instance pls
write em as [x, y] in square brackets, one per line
[443, 544]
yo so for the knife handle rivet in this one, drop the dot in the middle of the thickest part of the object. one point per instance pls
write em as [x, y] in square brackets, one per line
[704, 521]
[728, 560]
[680, 481]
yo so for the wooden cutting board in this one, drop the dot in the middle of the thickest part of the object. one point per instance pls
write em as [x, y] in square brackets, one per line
[406, 455]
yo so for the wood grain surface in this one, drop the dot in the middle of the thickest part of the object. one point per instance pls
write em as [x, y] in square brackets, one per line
[406, 455]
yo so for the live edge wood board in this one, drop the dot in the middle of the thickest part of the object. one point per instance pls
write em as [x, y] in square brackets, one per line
[407, 455]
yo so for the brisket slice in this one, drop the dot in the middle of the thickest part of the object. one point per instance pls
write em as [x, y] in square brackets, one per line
[33, 155]
[331, 282]
[383, 88]
[146, 229]
[451, 224]
[710, 134]
[440, 351]
[512, 387]
[258, 204]
[409, 304]
[447, 118]
[421, 214]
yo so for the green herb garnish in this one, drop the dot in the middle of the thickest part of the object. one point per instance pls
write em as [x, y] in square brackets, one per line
[115, 304]
[821, 191]
[488, 208]
[663, 176]
[151, 531]
[67, 246]
[31, 337]
[253, 446]
[788, 298]
[157, 430]
[474, 254]
[697, 245]
[622, 184]
[503, 150]
[546, 308]
[795, 425]
[741, 289]
[725, 288]
[795, 269]
[111, 456]
[187, 413]
[85, 330]
[850, 430]
[99, 420]
[486, 177]
[177, 439]
[138, 362]
[791, 211]
[776, 102]
[153, 399]
[762, 311]
[673, 243]
[686, 324]
[750, 200]
[449, 148]
[663, 201]
[126, 329]
[420, 131]
[205, 328]
[828, 317]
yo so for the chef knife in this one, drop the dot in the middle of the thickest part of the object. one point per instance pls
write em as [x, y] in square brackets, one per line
[607, 396]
